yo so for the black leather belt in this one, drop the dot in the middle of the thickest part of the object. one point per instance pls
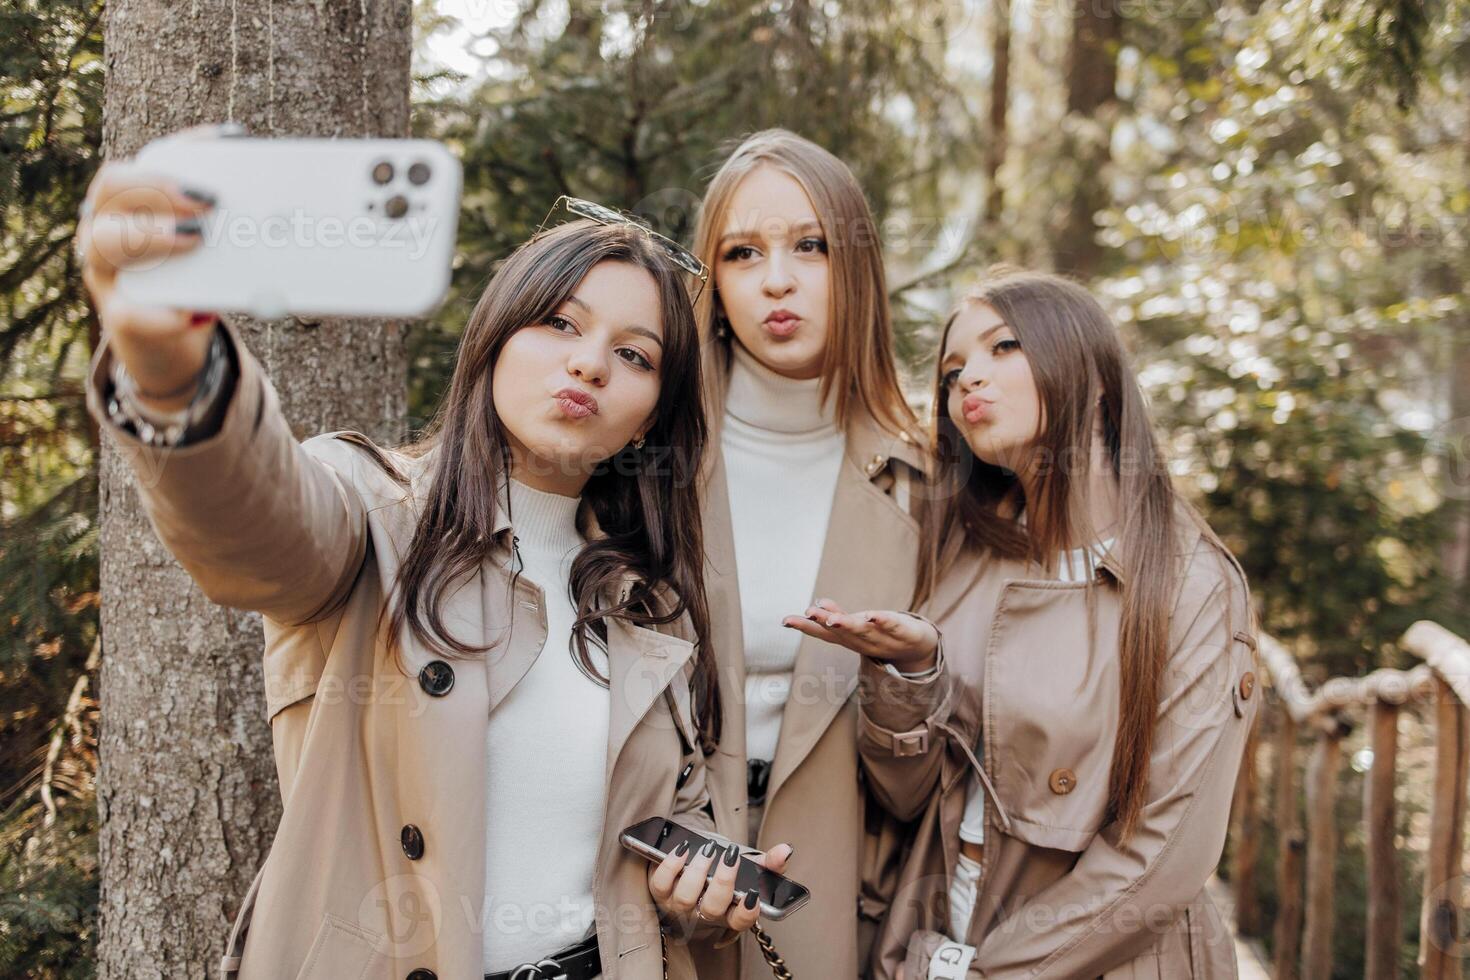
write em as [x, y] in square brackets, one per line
[579, 962]
[757, 777]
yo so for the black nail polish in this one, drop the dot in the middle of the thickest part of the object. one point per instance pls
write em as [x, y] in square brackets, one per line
[188, 226]
[201, 197]
[710, 849]
[732, 854]
[751, 899]
[682, 849]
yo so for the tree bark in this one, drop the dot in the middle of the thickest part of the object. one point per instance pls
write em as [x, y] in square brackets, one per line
[1092, 100]
[187, 791]
[1455, 475]
[1000, 97]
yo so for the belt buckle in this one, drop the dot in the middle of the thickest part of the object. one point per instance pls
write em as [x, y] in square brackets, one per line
[757, 777]
[547, 969]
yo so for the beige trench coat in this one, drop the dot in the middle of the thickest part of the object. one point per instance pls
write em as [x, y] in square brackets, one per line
[1060, 895]
[308, 534]
[815, 798]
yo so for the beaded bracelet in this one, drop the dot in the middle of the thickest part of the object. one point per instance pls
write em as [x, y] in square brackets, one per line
[167, 430]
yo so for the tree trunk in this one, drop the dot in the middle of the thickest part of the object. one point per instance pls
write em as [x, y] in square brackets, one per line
[1000, 97]
[187, 791]
[1092, 76]
[1455, 558]
[1455, 463]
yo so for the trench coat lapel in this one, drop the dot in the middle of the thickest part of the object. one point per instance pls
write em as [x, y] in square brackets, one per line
[954, 584]
[473, 609]
[851, 568]
[463, 607]
[641, 663]
[727, 779]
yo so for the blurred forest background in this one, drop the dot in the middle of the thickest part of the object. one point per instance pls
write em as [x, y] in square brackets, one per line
[1272, 196]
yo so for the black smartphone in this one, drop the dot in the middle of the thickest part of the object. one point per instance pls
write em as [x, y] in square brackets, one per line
[656, 837]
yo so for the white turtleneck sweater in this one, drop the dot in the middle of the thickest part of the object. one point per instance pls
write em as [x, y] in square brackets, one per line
[547, 762]
[783, 450]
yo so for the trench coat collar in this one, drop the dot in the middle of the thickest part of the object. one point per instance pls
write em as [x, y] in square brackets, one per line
[969, 565]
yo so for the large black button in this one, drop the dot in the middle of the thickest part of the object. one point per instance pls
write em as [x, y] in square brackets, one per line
[412, 840]
[423, 975]
[436, 678]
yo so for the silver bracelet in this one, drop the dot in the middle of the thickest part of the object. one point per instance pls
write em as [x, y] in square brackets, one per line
[166, 430]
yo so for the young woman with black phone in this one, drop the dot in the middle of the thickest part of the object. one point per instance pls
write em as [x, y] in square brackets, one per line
[486, 653]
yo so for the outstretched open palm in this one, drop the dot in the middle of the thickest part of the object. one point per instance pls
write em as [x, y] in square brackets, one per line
[907, 641]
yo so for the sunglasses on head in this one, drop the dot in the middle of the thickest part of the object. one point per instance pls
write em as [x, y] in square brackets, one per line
[576, 207]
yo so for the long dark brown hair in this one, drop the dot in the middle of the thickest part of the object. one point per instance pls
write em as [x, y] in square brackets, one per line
[645, 500]
[1077, 361]
[859, 359]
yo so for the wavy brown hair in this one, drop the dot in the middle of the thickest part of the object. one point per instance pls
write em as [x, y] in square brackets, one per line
[859, 357]
[645, 500]
[1077, 361]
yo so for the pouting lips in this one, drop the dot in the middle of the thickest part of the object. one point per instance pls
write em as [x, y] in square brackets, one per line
[576, 403]
[782, 323]
[975, 408]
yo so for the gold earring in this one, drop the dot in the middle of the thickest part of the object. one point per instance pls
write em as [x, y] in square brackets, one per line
[638, 443]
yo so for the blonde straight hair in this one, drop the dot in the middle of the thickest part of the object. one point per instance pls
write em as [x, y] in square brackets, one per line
[859, 357]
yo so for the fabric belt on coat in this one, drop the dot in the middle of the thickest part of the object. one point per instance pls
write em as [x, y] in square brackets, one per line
[577, 962]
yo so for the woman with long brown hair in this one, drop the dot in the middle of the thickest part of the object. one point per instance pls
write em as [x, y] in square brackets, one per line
[809, 489]
[1100, 645]
[486, 653]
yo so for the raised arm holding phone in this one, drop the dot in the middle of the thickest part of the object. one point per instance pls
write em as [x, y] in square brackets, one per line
[486, 652]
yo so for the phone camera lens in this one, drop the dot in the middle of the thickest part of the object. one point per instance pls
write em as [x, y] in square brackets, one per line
[382, 172]
[396, 207]
[418, 173]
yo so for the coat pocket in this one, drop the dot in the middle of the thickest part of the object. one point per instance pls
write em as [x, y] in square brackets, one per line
[1145, 966]
[343, 951]
[1211, 943]
[229, 965]
[1051, 712]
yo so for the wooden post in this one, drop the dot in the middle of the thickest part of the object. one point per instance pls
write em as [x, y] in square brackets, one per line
[1382, 962]
[1290, 845]
[1440, 946]
[1245, 838]
[1321, 855]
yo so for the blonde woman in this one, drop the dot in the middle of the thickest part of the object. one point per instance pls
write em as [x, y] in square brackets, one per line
[807, 495]
[1073, 803]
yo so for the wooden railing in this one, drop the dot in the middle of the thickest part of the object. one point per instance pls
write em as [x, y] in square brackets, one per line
[1304, 919]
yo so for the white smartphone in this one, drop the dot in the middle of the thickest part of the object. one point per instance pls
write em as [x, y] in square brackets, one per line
[656, 837]
[326, 227]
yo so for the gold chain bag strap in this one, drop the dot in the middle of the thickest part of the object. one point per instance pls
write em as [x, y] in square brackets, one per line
[768, 950]
[773, 958]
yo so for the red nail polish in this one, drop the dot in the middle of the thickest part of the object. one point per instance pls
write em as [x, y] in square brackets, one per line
[200, 319]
